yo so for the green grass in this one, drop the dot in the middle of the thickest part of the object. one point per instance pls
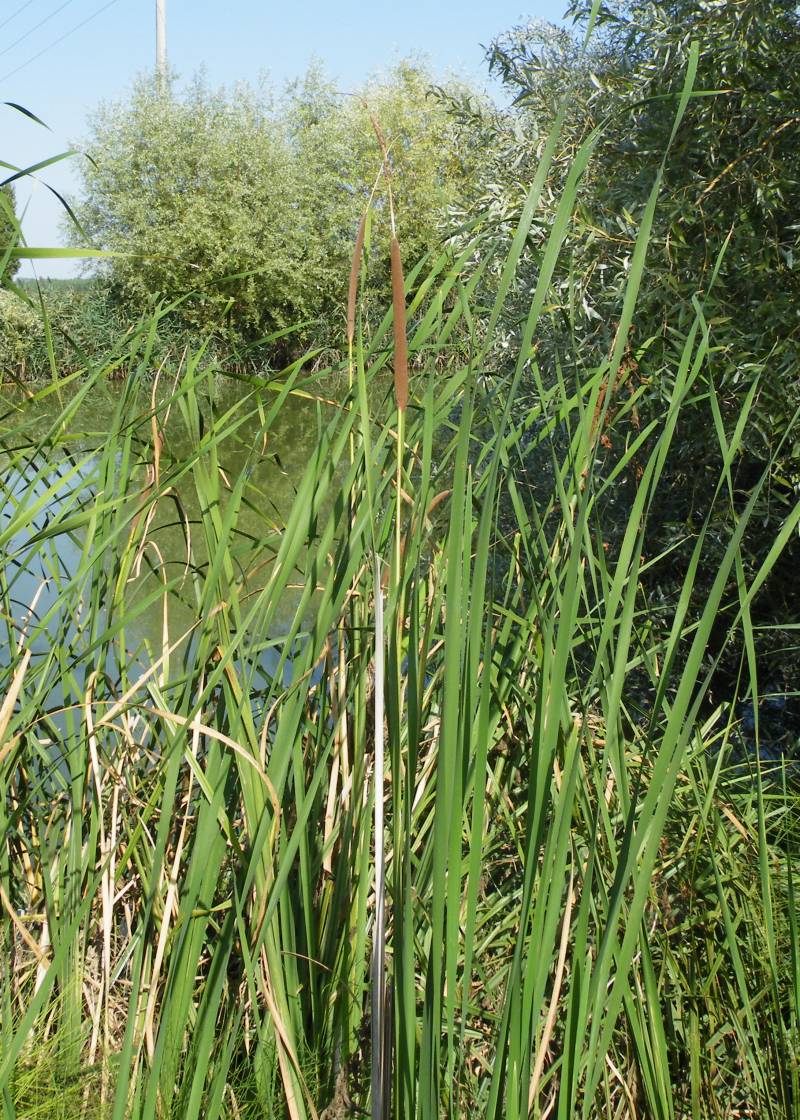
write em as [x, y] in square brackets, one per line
[590, 912]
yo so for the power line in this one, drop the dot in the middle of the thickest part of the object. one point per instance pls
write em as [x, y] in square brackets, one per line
[41, 23]
[60, 39]
[14, 15]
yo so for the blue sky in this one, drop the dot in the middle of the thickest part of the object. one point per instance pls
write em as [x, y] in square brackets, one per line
[91, 50]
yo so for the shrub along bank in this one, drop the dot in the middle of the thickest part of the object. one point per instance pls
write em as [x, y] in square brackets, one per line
[251, 202]
[240, 207]
[721, 211]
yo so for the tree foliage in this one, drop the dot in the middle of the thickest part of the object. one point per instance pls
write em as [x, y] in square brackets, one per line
[732, 179]
[725, 232]
[253, 201]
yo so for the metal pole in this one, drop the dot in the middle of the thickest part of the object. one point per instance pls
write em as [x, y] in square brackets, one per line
[161, 38]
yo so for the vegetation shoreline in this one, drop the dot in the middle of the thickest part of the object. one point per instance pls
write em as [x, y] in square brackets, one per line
[511, 830]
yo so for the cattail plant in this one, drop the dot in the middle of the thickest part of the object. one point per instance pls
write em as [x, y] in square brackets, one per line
[189, 856]
[381, 1024]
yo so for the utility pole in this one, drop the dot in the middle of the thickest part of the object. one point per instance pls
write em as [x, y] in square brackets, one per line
[161, 39]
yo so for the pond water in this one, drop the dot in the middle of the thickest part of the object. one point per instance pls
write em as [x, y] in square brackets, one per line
[48, 477]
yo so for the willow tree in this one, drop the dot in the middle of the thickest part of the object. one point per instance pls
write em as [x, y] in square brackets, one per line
[251, 201]
[725, 232]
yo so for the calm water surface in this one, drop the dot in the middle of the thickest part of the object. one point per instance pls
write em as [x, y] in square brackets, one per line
[50, 484]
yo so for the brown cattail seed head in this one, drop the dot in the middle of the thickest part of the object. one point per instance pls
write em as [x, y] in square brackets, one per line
[400, 340]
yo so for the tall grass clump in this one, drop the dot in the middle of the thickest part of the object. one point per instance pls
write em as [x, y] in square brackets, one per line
[419, 809]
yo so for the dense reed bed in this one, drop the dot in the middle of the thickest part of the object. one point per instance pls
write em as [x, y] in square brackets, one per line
[583, 908]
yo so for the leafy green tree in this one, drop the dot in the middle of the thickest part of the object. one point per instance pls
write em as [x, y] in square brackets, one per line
[732, 179]
[253, 202]
[193, 193]
[726, 231]
[432, 163]
[9, 235]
